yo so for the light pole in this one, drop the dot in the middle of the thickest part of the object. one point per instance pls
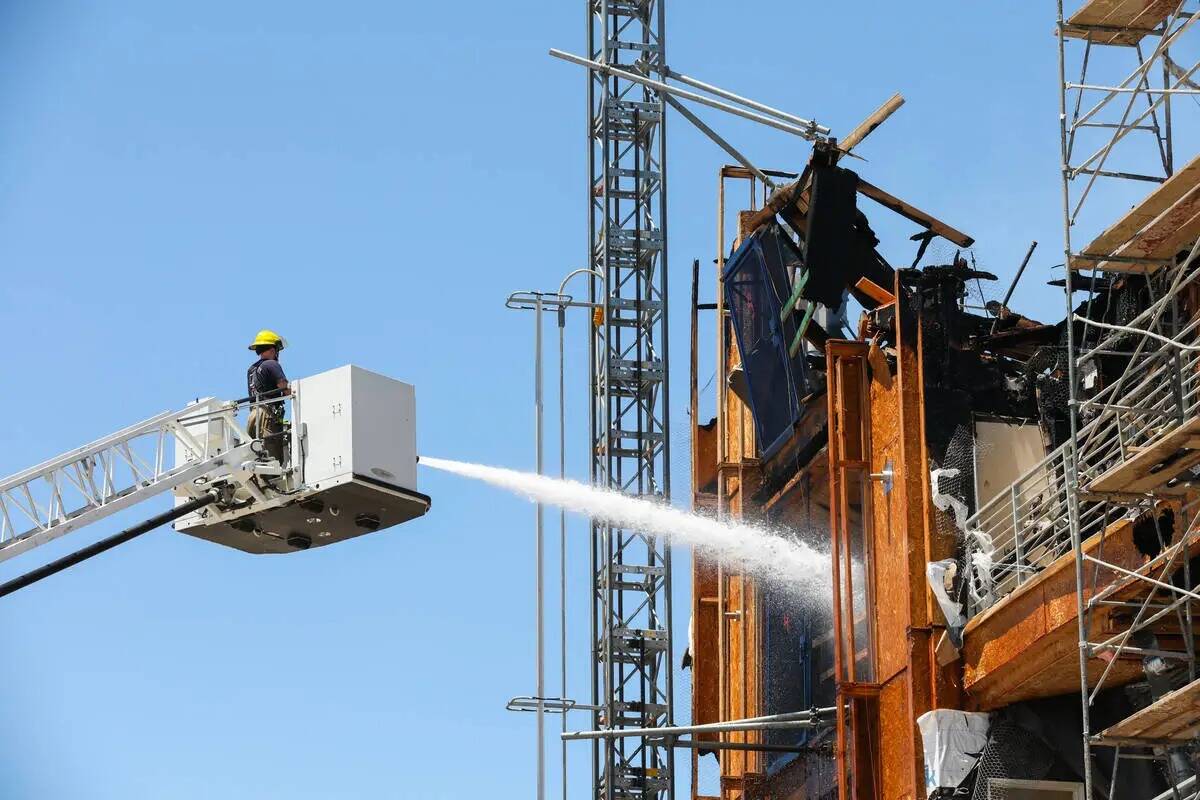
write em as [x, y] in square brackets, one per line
[562, 514]
[539, 302]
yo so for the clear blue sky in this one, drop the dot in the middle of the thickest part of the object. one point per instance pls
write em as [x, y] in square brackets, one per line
[371, 179]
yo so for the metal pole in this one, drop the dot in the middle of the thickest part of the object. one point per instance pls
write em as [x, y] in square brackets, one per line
[745, 101]
[688, 744]
[717, 139]
[562, 529]
[1012, 286]
[810, 131]
[1070, 461]
[541, 676]
[562, 473]
[665, 347]
[716, 727]
[593, 339]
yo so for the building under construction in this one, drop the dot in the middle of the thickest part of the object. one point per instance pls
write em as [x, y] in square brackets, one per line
[1011, 503]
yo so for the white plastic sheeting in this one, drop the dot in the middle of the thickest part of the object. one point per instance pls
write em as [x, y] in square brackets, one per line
[945, 501]
[941, 582]
[953, 741]
[979, 567]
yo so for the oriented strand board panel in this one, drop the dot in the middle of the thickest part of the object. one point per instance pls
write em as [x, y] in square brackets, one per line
[1138, 16]
[1027, 645]
[889, 540]
[896, 733]
[1173, 717]
[1157, 227]
[704, 633]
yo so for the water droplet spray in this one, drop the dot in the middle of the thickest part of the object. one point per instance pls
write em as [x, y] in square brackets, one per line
[785, 562]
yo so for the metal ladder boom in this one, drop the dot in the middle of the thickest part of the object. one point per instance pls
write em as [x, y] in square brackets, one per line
[116, 472]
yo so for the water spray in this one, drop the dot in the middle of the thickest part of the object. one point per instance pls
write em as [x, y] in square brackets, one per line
[767, 554]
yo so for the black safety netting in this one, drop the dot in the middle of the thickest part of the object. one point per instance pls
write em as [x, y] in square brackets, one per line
[1010, 753]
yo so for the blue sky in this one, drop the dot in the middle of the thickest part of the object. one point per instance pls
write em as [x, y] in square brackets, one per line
[372, 179]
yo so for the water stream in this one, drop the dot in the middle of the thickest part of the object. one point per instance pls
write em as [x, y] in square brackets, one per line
[787, 563]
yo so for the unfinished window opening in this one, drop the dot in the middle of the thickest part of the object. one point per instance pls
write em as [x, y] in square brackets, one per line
[797, 652]
[851, 499]
[856, 571]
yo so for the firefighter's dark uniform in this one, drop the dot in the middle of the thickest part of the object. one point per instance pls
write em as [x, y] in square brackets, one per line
[266, 421]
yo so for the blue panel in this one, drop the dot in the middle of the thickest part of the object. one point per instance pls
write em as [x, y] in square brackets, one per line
[756, 287]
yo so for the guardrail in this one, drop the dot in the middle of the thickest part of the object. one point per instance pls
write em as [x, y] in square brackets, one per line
[1025, 528]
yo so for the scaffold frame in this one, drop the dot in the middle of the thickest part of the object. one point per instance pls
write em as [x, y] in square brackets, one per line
[1124, 430]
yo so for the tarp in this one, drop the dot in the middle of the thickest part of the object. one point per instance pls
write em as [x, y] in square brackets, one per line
[831, 248]
[953, 741]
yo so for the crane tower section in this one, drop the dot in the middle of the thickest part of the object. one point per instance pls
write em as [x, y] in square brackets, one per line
[631, 680]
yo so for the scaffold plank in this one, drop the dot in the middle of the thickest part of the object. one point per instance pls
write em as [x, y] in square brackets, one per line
[1134, 19]
[1174, 717]
[1155, 228]
[1152, 467]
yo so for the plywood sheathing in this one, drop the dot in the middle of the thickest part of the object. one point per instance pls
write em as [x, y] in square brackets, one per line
[1174, 717]
[1136, 17]
[1156, 228]
[901, 539]
[704, 459]
[705, 631]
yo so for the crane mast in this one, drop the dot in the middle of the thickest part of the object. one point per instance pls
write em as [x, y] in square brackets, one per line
[631, 570]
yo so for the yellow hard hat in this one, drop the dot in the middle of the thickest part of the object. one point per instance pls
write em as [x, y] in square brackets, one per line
[268, 338]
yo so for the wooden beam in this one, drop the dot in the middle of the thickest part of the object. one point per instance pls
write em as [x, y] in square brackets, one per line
[783, 199]
[874, 291]
[815, 335]
[913, 213]
[1147, 470]
[780, 199]
[873, 121]
[797, 190]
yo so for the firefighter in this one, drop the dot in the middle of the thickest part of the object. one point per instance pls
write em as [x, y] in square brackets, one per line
[265, 382]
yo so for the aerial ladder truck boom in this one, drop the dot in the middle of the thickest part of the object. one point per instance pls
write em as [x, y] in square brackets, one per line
[349, 468]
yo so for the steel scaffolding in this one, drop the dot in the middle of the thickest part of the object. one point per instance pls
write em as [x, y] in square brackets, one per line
[631, 598]
[1131, 445]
